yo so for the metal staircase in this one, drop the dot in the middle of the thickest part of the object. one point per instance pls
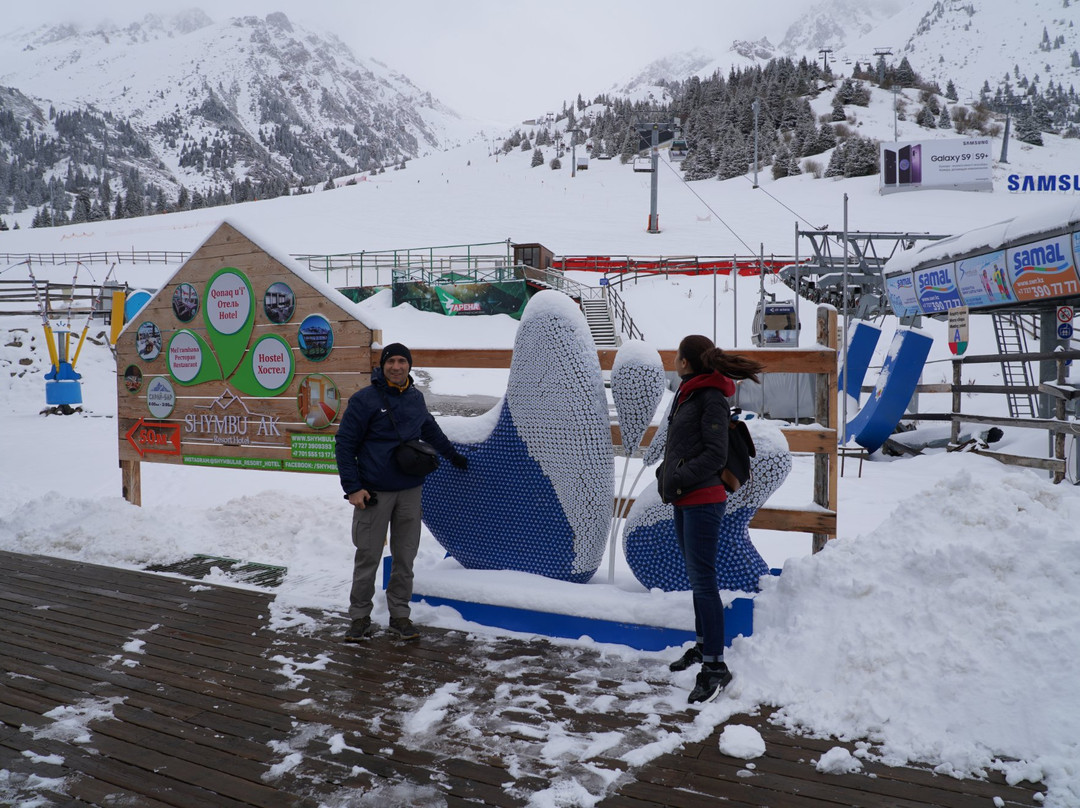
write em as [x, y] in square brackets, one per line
[1010, 331]
[602, 327]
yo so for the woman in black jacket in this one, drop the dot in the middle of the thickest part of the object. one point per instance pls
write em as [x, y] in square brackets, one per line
[689, 478]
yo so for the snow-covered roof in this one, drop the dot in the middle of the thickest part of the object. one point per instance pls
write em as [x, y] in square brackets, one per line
[1007, 233]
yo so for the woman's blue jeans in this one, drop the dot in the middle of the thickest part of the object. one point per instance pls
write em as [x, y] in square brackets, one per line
[697, 530]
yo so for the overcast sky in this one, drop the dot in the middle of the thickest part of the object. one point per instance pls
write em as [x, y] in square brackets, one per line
[497, 59]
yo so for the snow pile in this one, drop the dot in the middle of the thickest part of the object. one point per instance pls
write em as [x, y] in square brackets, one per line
[947, 634]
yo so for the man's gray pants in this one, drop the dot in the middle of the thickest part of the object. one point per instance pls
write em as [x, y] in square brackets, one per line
[400, 512]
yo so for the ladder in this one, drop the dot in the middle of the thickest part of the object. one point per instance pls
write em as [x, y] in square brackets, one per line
[1010, 331]
[598, 317]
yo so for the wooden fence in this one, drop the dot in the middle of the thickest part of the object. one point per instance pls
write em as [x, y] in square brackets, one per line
[1059, 392]
[57, 299]
[819, 439]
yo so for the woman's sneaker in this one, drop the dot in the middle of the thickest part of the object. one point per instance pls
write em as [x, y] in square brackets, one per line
[710, 681]
[691, 657]
[404, 629]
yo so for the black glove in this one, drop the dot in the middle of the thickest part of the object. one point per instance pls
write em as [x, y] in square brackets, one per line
[459, 461]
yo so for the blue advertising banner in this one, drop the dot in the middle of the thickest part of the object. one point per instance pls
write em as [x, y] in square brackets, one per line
[936, 289]
[901, 290]
[983, 280]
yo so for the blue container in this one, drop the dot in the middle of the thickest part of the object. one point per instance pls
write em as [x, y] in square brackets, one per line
[62, 386]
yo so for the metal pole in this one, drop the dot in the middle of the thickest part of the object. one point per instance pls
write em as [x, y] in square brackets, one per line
[573, 154]
[735, 293]
[895, 132]
[1005, 138]
[714, 305]
[654, 223]
[798, 332]
[756, 107]
[843, 382]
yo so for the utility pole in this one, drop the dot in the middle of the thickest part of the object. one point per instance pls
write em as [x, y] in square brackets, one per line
[654, 219]
[1005, 138]
[757, 106]
[573, 150]
[895, 103]
[881, 53]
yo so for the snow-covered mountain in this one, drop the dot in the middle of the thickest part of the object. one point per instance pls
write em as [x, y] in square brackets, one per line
[968, 42]
[199, 102]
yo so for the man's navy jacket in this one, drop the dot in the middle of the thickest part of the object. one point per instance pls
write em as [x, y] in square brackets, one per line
[366, 439]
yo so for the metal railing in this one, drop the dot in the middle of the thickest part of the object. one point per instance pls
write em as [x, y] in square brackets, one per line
[375, 267]
[104, 257]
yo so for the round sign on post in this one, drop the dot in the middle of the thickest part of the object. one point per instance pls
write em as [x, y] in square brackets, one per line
[1065, 330]
[1065, 314]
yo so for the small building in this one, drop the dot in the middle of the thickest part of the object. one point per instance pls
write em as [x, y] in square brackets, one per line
[536, 256]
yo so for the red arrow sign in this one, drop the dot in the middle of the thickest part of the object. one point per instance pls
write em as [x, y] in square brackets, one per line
[154, 437]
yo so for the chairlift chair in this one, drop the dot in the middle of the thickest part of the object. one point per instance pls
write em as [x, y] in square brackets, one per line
[643, 164]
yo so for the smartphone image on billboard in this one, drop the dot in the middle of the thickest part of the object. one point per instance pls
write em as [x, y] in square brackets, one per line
[890, 167]
[903, 168]
[916, 164]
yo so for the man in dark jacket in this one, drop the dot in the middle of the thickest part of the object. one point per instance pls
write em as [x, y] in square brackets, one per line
[377, 420]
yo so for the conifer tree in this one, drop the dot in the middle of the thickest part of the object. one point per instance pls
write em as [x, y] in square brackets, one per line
[905, 74]
[537, 158]
[944, 119]
[1027, 131]
[838, 113]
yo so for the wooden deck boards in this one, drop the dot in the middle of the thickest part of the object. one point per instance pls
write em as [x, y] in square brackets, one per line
[188, 699]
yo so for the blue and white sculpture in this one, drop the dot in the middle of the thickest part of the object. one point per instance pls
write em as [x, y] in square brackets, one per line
[638, 382]
[538, 491]
[649, 537]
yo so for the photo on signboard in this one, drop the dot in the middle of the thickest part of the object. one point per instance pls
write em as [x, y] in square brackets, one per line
[148, 341]
[185, 302]
[279, 303]
[318, 401]
[316, 337]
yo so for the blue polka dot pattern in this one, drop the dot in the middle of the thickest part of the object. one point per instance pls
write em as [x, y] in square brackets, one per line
[538, 492]
[649, 538]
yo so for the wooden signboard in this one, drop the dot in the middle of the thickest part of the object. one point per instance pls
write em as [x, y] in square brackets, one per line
[238, 361]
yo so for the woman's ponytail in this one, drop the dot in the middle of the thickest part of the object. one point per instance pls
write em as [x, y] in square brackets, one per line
[703, 355]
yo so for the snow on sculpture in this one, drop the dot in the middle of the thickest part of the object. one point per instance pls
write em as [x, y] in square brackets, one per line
[649, 537]
[537, 495]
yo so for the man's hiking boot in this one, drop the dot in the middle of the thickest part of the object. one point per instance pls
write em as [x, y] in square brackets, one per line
[691, 657]
[403, 628]
[710, 681]
[359, 630]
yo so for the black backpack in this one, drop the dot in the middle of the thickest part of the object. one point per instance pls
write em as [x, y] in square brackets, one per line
[740, 450]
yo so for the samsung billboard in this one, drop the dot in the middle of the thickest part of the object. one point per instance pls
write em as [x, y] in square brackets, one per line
[959, 164]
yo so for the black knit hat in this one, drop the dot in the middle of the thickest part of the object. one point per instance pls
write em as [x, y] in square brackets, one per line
[395, 349]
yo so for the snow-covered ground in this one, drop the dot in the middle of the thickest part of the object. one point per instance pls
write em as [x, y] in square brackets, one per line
[942, 623]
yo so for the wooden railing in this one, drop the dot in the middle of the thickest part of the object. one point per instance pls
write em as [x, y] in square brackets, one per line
[19, 297]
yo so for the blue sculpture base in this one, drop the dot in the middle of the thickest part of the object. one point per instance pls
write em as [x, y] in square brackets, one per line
[738, 621]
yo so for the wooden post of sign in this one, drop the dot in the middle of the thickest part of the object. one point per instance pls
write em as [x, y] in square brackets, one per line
[957, 377]
[825, 467]
[131, 481]
[1059, 437]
